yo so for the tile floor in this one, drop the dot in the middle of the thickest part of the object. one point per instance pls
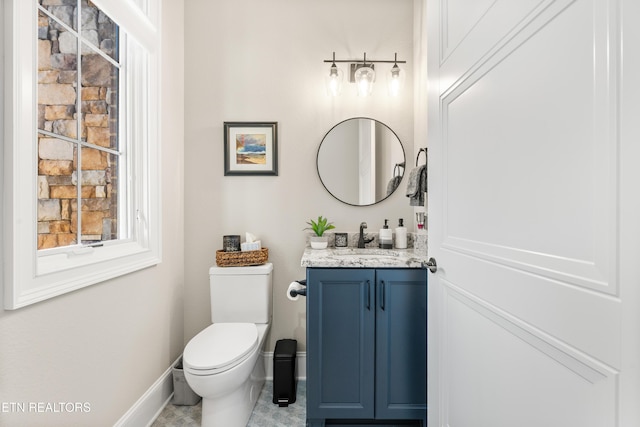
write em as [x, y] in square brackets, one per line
[265, 413]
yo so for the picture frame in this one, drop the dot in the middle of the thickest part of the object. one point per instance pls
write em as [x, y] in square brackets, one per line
[250, 148]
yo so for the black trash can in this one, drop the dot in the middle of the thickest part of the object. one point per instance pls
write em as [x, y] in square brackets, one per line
[284, 372]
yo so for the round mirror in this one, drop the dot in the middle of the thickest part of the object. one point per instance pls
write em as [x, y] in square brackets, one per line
[361, 161]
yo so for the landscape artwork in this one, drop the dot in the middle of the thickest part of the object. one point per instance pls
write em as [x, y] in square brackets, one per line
[250, 148]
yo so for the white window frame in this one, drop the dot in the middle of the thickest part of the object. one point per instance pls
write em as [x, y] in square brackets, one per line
[30, 276]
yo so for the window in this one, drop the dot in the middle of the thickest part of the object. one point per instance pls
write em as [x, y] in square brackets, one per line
[79, 191]
[83, 192]
[81, 188]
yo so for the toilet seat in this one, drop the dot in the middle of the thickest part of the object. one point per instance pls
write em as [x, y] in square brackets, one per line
[220, 347]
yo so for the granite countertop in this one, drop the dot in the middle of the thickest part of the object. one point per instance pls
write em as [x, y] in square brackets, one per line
[363, 258]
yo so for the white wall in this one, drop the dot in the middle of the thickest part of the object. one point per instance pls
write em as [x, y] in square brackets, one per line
[107, 344]
[253, 60]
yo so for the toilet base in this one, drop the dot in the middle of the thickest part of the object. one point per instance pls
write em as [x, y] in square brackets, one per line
[234, 409]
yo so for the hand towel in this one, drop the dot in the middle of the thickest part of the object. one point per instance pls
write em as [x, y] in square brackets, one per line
[393, 184]
[417, 185]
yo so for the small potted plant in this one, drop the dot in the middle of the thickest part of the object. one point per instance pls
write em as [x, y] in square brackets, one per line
[319, 241]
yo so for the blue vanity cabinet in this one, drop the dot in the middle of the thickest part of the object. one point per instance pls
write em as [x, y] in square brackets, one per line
[340, 343]
[401, 344]
[366, 345]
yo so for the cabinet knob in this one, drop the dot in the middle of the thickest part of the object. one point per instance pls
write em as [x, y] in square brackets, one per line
[432, 265]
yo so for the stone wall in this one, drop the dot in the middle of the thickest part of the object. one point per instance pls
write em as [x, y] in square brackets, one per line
[63, 164]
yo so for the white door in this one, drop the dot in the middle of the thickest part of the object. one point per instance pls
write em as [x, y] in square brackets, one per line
[534, 189]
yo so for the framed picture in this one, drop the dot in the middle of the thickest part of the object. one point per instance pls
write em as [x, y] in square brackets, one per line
[250, 148]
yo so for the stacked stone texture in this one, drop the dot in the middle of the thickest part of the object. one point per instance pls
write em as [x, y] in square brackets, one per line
[58, 159]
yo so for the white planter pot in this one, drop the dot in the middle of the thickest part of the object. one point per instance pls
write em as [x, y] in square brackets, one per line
[319, 242]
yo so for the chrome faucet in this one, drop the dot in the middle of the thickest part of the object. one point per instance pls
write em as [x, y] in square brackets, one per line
[362, 241]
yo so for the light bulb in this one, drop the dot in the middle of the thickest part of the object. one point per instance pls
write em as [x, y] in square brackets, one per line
[364, 77]
[395, 80]
[333, 81]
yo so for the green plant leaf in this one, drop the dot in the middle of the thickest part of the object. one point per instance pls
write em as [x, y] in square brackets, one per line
[320, 226]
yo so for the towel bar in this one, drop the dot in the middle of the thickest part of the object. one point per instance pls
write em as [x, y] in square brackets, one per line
[418, 155]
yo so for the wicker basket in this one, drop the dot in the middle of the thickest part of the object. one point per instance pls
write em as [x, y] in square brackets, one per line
[239, 259]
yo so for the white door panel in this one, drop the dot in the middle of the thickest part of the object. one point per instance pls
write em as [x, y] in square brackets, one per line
[521, 377]
[461, 18]
[585, 320]
[470, 31]
[530, 323]
[531, 150]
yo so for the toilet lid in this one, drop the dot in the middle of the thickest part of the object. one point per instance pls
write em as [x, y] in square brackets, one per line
[220, 345]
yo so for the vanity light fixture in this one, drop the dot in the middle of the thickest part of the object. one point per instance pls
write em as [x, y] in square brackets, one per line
[363, 74]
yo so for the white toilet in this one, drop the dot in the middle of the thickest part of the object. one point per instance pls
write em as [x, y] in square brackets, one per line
[222, 362]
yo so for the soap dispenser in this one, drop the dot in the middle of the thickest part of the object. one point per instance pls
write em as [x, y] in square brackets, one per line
[386, 236]
[401, 235]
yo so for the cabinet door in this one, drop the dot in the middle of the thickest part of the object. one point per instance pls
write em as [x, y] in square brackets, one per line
[401, 344]
[340, 343]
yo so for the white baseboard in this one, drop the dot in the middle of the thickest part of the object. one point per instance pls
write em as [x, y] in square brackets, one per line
[301, 364]
[150, 405]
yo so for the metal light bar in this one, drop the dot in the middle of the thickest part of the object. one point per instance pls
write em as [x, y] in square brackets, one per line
[365, 60]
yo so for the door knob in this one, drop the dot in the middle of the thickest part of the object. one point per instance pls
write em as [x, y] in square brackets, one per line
[431, 265]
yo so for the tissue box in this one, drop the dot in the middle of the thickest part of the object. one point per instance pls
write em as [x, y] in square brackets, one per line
[252, 246]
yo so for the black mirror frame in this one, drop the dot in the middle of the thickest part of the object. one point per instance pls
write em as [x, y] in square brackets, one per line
[404, 154]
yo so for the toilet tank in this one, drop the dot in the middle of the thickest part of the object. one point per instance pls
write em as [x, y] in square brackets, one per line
[241, 294]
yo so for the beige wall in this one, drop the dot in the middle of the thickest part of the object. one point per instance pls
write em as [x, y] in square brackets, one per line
[107, 344]
[262, 61]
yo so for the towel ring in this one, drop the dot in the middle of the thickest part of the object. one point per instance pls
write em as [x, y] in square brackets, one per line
[397, 171]
[418, 156]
